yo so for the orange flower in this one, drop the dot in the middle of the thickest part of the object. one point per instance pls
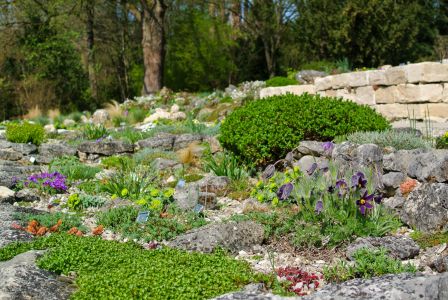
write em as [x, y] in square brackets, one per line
[41, 231]
[408, 186]
[98, 231]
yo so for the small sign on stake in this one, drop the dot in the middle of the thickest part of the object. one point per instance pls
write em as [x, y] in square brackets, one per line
[198, 208]
[142, 217]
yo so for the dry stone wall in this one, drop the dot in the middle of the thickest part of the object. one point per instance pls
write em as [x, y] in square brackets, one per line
[395, 92]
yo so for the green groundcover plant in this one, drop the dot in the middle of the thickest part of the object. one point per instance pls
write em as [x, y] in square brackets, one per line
[25, 133]
[113, 270]
[265, 130]
[280, 81]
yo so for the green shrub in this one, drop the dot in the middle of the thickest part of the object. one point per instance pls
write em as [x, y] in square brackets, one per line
[280, 81]
[113, 270]
[93, 132]
[368, 263]
[72, 168]
[322, 65]
[265, 130]
[25, 133]
[390, 138]
[442, 141]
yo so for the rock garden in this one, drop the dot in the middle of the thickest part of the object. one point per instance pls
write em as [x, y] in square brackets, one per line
[222, 196]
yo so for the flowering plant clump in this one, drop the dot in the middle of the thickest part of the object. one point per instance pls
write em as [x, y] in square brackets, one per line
[301, 282]
[157, 199]
[51, 183]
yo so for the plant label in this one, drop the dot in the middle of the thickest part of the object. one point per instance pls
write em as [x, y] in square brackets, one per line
[198, 208]
[142, 217]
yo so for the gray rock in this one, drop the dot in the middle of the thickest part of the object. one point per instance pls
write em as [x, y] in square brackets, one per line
[232, 236]
[27, 195]
[395, 203]
[440, 264]
[209, 200]
[344, 152]
[11, 169]
[183, 140]
[6, 195]
[369, 155]
[400, 160]
[399, 247]
[426, 207]
[10, 154]
[186, 198]
[22, 279]
[106, 148]
[391, 181]
[306, 162]
[417, 132]
[213, 184]
[163, 141]
[100, 116]
[308, 76]
[56, 150]
[430, 166]
[312, 148]
[163, 163]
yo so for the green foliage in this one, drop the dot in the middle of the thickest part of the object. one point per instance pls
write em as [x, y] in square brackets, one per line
[83, 201]
[390, 138]
[280, 81]
[442, 141]
[108, 269]
[93, 132]
[321, 65]
[147, 155]
[130, 135]
[426, 240]
[25, 133]
[224, 164]
[118, 162]
[368, 263]
[122, 220]
[265, 130]
[73, 169]
[48, 220]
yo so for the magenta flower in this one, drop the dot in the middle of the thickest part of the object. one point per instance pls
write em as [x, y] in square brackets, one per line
[364, 202]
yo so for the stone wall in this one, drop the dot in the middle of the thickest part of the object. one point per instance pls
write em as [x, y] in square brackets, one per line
[395, 92]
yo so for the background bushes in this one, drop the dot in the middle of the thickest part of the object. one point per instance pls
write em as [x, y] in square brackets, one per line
[25, 133]
[265, 130]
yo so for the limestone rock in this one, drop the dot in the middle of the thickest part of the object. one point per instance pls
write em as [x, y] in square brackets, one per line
[107, 148]
[399, 247]
[27, 195]
[308, 76]
[234, 236]
[6, 195]
[426, 207]
[100, 116]
[164, 141]
[391, 181]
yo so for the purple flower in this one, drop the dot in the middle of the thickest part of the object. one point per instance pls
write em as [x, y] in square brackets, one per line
[268, 172]
[284, 191]
[364, 202]
[359, 181]
[342, 187]
[319, 206]
[126, 112]
[328, 147]
[311, 170]
[378, 198]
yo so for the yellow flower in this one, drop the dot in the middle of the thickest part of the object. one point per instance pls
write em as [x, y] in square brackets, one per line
[154, 192]
[259, 183]
[142, 201]
[114, 196]
[275, 201]
[124, 192]
[296, 169]
[156, 204]
[260, 198]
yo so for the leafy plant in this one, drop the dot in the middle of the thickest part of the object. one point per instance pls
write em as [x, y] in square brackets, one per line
[122, 220]
[265, 130]
[83, 201]
[108, 269]
[48, 220]
[225, 164]
[368, 263]
[390, 138]
[118, 162]
[280, 81]
[25, 133]
[426, 240]
[94, 132]
[442, 141]
[130, 135]
[73, 169]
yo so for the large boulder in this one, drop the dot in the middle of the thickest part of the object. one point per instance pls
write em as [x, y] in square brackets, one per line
[430, 166]
[49, 151]
[399, 247]
[21, 279]
[233, 236]
[162, 141]
[106, 148]
[426, 207]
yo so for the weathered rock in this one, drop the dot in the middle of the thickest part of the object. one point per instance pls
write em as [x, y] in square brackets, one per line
[187, 197]
[306, 163]
[7, 233]
[441, 264]
[395, 203]
[430, 166]
[107, 148]
[183, 140]
[163, 141]
[426, 207]
[22, 279]
[11, 170]
[369, 155]
[208, 200]
[232, 236]
[100, 116]
[344, 152]
[10, 154]
[56, 150]
[6, 195]
[399, 247]
[308, 76]
[312, 148]
[163, 163]
[392, 287]
[391, 181]
[27, 195]
[400, 160]
[213, 184]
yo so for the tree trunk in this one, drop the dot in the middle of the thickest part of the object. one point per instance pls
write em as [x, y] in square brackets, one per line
[153, 43]
[90, 11]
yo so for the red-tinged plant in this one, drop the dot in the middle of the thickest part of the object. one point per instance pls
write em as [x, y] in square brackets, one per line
[301, 281]
[408, 186]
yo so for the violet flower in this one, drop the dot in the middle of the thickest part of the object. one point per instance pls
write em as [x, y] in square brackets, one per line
[342, 187]
[359, 181]
[311, 170]
[328, 147]
[364, 202]
[284, 191]
[319, 206]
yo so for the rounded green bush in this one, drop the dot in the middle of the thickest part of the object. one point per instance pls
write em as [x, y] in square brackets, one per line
[265, 130]
[25, 133]
[280, 81]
